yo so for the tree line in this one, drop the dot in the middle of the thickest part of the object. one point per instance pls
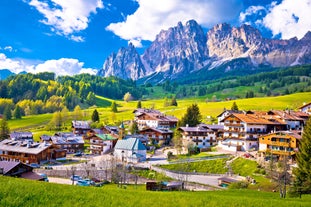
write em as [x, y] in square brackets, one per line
[44, 93]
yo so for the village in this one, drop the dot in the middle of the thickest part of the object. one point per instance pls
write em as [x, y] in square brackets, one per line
[258, 135]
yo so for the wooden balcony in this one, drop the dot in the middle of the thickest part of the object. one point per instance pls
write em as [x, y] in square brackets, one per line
[281, 144]
[281, 152]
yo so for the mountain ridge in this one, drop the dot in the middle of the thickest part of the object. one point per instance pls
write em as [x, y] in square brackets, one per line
[185, 49]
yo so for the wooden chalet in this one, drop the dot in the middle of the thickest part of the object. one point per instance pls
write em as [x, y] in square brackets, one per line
[154, 119]
[80, 128]
[282, 143]
[27, 151]
[101, 143]
[158, 135]
[68, 142]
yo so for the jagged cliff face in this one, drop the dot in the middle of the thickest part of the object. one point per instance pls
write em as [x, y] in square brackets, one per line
[177, 50]
[227, 43]
[181, 50]
[125, 64]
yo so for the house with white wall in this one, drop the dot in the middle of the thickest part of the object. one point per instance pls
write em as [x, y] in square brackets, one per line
[130, 150]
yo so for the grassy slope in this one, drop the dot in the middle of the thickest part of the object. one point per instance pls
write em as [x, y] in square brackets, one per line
[19, 192]
[125, 109]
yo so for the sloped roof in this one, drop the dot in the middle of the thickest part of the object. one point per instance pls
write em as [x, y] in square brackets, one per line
[130, 144]
[195, 129]
[250, 119]
[162, 131]
[67, 140]
[81, 124]
[21, 135]
[105, 137]
[31, 176]
[305, 105]
[8, 165]
[23, 146]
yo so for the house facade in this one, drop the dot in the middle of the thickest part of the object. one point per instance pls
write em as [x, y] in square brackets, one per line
[153, 119]
[25, 151]
[68, 142]
[130, 150]
[101, 143]
[283, 143]
[80, 128]
[241, 131]
[306, 108]
[200, 136]
[158, 135]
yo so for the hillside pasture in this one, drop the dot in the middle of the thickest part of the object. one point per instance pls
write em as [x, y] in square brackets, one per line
[19, 192]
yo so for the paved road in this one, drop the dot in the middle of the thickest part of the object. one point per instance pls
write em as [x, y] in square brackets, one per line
[211, 180]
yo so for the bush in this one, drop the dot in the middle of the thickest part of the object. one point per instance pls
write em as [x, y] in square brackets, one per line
[170, 155]
[239, 185]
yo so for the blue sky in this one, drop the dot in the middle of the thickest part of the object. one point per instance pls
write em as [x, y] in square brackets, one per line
[74, 36]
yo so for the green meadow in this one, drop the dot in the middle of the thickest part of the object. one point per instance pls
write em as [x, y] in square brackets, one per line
[19, 192]
[37, 123]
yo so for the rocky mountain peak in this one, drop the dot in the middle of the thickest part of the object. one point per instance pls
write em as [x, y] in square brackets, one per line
[126, 63]
[177, 48]
[184, 49]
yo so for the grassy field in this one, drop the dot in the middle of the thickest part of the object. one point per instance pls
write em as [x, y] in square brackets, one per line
[18, 192]
[125, 109]
[241, 166]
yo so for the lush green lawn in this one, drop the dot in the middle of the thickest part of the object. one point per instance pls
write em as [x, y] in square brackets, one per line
[19, 192]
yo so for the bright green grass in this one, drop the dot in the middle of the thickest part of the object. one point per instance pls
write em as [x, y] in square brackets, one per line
[103, 102]
[27, 122]
[18, 192]
[244, 167]
[125, 109]
[217, 166]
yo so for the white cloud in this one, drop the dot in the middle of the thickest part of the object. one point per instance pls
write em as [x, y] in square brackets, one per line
[14, 65]
[289, 18]
[7, 48]
[62, 66]
[252, 10]
[154, 15]
[67, 17]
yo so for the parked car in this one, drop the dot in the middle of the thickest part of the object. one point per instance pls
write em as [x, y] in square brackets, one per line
[78, 154]
[34, 165]
[85, 182]
[45, 177]
[75, 177]
[48, 167]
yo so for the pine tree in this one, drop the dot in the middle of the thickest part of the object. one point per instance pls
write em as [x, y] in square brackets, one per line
[95, 116]
[192, 117]
[302, 182]
[174, 101]
[114, 107]
[7, 113]
[4, 129]
[17, 113]
[134, 128]
[234, 106]
[138, 104]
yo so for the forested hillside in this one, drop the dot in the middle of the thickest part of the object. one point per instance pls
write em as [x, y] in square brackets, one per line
[274, 83]
[46, 93]
[43, 93]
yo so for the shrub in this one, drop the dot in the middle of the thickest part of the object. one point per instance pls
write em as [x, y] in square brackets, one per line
[239, 185]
